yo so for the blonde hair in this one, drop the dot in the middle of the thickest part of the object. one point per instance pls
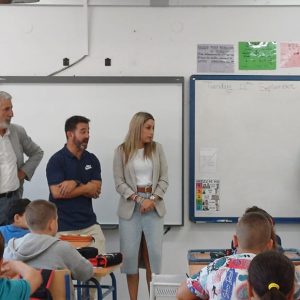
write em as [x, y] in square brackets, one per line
[133, 137]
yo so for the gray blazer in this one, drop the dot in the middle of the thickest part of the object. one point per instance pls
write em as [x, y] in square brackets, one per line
[21, 144]
[125, 181]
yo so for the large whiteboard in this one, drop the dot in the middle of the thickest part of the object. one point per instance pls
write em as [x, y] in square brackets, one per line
[245, 136]
[42, 104]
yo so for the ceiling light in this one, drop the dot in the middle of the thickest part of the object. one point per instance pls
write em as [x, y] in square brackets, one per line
[24, 1]
[17, 1]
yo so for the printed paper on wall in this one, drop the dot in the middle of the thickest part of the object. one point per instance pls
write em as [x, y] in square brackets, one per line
[212, 58]
[207, 195]
[289, 55]
[257, 55]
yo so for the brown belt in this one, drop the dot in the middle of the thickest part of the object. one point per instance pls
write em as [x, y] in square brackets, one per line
[144, 189]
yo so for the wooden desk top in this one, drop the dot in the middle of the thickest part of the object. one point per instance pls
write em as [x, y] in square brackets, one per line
[99, 271]
[193, 269]
[196, 267]
[105, 271]
[294, 256]
[203, 256]
[76, 240]
[79, 244]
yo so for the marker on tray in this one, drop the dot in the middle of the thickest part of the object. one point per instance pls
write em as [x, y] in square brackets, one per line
[224, 221]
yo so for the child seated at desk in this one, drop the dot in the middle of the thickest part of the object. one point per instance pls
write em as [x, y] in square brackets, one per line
[41, 249]
[271, 276]
[16, 219]
[270, 218]
[276, 239]
[226, 277]
[19, 289]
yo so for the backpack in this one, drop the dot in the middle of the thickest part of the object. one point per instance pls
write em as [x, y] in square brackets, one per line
[88, 252]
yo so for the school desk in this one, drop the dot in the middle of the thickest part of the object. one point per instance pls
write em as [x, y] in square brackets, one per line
[94, 283]
[79, 241]
[193, 269]
[199, 258]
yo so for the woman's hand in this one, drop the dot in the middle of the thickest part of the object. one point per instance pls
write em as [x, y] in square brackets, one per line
[147, 205]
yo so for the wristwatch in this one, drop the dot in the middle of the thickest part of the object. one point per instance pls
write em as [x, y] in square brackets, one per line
[78, 183]
[152, 197]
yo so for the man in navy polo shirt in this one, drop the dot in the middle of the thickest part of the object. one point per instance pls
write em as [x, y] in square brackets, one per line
[74, 178]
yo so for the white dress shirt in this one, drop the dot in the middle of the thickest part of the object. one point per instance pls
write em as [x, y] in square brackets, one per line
[143, 169]
[9, 180]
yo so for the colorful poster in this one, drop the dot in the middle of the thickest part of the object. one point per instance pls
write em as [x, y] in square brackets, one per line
[207, 195]
[257, 55]
[289, 55]
[215, 58]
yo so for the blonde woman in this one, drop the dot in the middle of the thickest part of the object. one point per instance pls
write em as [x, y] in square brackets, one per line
[141, 179]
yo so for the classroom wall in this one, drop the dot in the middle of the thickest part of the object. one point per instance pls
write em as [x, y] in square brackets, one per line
[142, 41]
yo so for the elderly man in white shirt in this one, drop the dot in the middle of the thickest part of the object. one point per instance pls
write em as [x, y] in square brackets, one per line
[14, 143]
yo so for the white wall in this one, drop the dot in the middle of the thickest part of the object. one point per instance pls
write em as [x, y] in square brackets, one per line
[142, 41]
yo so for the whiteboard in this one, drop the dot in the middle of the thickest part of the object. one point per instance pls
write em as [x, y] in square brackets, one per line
[42, 105]
[244, 141]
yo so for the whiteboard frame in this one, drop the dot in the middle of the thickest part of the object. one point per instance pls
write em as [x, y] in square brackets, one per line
[153, 3]
[193, 79]
[77, 80]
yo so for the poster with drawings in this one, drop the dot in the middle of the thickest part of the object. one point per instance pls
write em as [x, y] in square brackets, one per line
[207, 195]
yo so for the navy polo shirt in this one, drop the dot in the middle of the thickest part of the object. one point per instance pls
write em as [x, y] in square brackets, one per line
[74, 213]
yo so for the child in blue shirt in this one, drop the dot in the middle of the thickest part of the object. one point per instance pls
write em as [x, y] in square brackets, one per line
[16, 219]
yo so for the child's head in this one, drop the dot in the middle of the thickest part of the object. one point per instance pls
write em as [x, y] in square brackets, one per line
[15, 212]
[253, 233]
[271, 276]
[41, 217]
[270, 218]
[260, 210]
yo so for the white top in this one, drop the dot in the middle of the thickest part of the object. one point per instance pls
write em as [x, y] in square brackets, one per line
[143, 168]
[8, 165]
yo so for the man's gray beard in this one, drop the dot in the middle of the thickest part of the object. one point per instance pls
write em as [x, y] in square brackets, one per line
[4, 125]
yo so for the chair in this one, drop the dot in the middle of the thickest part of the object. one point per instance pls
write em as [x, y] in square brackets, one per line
[164, 285]
[61, 285]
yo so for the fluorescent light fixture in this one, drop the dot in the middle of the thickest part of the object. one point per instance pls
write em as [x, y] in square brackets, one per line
[17, 1]
[25, 1]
